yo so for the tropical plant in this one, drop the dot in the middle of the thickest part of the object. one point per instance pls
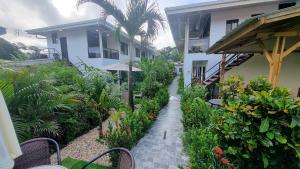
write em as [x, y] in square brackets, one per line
[180, 84]
[56, 100]
[142, 18]
[259, 127]
[199, 144]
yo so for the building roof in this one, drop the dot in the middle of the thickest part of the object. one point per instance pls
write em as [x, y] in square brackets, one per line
[72, 26]
[266, 28]
[212, 5]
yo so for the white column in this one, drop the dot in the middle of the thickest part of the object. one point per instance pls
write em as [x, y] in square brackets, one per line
[187, 65]
[186, 37]
[101, 44]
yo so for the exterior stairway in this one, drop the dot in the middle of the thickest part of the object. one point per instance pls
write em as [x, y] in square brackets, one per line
[230, 62]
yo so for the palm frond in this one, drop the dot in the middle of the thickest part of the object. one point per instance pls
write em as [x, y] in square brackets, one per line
[154, 20]
[7, 89]
[109, 8]
[47, 128]
[22, 128]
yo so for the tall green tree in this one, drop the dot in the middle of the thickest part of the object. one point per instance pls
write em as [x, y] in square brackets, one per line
[140, 19]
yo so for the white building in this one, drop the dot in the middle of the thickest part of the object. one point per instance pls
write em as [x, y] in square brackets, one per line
[196, 27]
[93, 42]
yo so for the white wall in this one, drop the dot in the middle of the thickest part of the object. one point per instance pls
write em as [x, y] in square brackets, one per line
[78, 49]
[259, 66]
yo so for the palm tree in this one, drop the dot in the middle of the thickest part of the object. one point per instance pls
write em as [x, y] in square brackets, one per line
[142, 18]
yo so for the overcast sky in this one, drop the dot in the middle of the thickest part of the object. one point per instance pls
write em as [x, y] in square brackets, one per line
[20, 15]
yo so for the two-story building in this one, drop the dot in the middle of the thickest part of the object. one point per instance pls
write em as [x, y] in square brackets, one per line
[196, 27]
[92, 42]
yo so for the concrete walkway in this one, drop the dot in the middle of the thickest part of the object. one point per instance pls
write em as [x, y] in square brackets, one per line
[162, 147]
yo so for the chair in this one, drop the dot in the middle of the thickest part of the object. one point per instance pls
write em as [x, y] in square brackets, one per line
[36, 152]
[125, 160]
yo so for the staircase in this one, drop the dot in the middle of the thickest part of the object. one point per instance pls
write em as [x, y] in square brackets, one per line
[230, 62]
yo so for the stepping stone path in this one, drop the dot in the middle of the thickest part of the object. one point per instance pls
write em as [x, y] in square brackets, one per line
[162, 147]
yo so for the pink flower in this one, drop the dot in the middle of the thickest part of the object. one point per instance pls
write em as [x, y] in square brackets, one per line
[218, 150]
[224, 161]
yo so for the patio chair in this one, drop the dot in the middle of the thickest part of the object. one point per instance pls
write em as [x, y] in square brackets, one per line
[37, 152]
[125, 160]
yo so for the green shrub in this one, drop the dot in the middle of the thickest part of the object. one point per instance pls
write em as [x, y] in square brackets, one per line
[259, 127]
[196, 114]
[162, 96]
[199, 144]
[180, 84]
[194, 92]
[55, 100]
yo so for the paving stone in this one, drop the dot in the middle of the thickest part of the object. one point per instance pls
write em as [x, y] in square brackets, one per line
[155, 152]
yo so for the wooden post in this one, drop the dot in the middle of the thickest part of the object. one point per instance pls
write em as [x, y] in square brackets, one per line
[222, 68]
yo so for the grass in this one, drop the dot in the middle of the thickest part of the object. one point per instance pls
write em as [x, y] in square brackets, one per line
[71, 163]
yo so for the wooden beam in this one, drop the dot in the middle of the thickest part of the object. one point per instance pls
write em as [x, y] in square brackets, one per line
[291, 49]
[222, 68]
[283, 16]
[265, 50]
[270, 34]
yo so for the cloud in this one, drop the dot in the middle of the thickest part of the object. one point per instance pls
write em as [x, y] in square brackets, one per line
[19, 15]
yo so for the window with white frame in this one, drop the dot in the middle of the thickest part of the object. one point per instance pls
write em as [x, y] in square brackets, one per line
[231, 24]
[93, 44]
[54, 38]
[124, 48]
[137, 52]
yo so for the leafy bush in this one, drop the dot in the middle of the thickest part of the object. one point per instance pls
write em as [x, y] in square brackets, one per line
[55, 100]
[193, 92]
[196, 114]
[162, 96]
[180, 84]
[199, 144]
[260, 126]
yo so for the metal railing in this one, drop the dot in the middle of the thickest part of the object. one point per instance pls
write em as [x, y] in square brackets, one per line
[217, 67]
[110, 53]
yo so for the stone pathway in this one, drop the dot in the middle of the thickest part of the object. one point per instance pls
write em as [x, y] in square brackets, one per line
[162, 147]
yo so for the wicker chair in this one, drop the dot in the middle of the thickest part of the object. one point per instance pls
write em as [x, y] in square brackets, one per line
[36, 152]
[126, 159]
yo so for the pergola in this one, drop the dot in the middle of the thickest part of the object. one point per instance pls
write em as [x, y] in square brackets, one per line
[275, 35]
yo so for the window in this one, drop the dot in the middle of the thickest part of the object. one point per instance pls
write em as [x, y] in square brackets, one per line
[93, 44]
[143, 54]
[286, 5]
[124, 48]
[104, 41]
[137, 52]
[54, 38]
[231, 24]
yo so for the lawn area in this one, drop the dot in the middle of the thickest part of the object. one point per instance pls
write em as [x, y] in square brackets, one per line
[71, 163]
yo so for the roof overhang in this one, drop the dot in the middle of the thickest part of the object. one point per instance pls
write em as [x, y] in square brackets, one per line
[72, 26]
[213, 5]
[265, 29]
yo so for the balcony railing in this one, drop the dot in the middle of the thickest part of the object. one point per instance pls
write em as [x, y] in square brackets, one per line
[110, 53]
[197, 45]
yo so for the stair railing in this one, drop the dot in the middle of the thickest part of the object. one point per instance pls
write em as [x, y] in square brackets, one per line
[228, 60]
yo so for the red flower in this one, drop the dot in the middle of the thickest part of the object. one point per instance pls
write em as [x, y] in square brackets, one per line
[224, 161]
[218, 150]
